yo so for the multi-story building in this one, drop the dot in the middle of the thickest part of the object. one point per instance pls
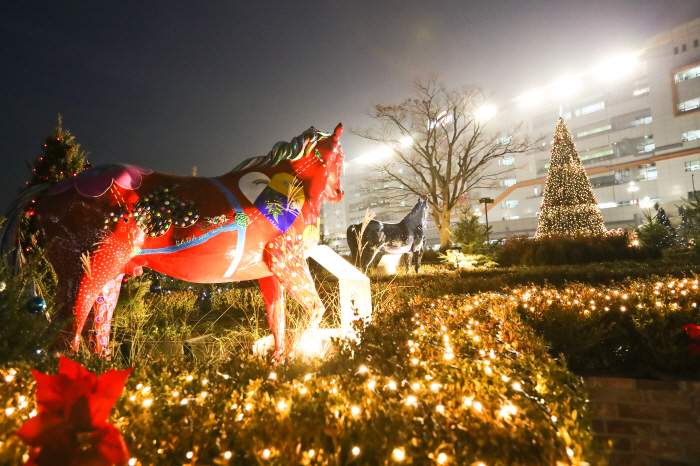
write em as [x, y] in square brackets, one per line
[635, 122]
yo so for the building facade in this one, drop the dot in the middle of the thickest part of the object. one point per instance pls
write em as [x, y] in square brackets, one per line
[635, 122]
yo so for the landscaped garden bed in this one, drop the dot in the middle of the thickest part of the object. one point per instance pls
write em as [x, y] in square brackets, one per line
[441, 375]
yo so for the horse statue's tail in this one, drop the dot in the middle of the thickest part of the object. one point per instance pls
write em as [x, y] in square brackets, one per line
[9, 240]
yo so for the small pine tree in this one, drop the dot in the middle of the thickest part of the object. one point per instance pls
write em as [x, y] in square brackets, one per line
[655, 232]
[61, 159]
[470, 234]
[569, 206]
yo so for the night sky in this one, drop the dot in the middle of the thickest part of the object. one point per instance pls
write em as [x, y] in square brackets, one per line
[169, 85]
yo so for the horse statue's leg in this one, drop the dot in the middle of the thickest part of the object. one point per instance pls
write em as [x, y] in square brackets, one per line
[99, 320]
[82, 279]
[409, 262]
[273, 295]
[368, 255]
[285, 259]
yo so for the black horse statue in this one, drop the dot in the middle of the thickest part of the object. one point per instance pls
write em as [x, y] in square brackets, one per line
[405, 237]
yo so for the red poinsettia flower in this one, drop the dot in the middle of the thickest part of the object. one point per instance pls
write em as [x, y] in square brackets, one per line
[71, 428]
[694, 333]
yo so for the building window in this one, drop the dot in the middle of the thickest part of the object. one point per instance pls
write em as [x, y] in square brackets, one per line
[692, 166]
[641, 121]
[641, 91]
[509, 204]
[507, 161]
[648, 172]
[646, 144]
[687, 74]
[590, 108]
[536, 190]
[675, 50]
[689, 105]
[599, 129]
[403, 203]
[684, 48]
[508, 182]
[506, 140]
[596, 155]
[691, 135]
[695, 43]
[400, 170]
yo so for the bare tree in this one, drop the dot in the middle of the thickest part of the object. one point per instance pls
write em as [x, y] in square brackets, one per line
[441, 147]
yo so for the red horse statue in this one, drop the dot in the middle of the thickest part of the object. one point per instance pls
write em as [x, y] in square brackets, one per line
[252, 223]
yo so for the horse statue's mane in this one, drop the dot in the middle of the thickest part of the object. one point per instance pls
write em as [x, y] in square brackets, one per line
[297, 149]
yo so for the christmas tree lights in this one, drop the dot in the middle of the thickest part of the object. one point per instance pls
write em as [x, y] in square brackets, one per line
[568, 205]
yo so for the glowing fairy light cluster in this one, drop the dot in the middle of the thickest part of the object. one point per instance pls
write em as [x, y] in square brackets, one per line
[569, 206]
[639, 295]
[463, 367]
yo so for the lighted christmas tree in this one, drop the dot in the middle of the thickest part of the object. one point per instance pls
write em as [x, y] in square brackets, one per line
[61, 158]
[568, 205]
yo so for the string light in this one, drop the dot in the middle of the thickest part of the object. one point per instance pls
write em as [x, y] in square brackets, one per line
[227, 455]
[398, 454]
[355, 451]
[266, 453]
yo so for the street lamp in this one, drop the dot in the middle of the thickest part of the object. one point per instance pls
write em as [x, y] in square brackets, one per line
[486, 201]
[633, 189]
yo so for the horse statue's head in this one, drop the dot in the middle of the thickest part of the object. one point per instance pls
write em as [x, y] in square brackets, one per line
[419, 215]
[328, 149]
[315, 157]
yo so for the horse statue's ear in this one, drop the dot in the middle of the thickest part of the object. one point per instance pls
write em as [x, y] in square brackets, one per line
[337, 132]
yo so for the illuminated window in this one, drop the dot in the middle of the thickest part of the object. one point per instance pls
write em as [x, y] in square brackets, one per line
[507, 161]
[641, 121]
[506, 140]
[641, 91]
[691, 135]
[509, 204]
[692, 166]
[648, 172]
[590, 108]
[595, 155]
[508, 182]
[687, 74]
[688, 105]
[599, 129]
[646, 144]
[400, 170]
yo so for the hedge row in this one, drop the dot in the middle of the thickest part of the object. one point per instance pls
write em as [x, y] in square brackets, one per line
[451, 381]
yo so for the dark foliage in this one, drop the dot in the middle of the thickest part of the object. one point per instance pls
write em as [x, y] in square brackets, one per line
[562, 250]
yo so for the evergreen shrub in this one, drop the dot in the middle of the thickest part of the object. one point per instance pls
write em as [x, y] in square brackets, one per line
[455, 381]
[562, 250]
